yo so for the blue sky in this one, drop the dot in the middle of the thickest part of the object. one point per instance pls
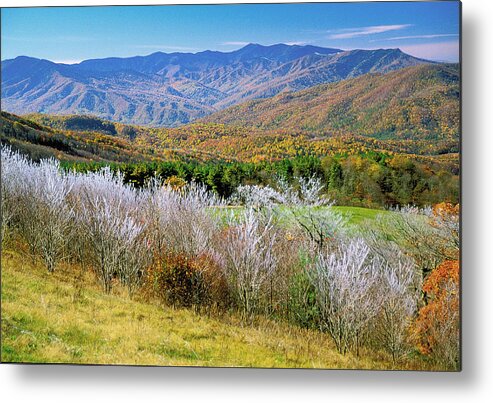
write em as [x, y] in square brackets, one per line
[71, 34]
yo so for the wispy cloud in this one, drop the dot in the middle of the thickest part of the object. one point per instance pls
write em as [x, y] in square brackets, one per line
[349, 33]
[440, 51]
[398, 38]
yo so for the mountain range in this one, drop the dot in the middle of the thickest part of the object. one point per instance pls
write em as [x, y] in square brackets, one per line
[420, 102]
[173, 89]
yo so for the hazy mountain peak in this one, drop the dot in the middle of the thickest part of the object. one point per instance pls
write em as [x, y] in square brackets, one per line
[167, 89]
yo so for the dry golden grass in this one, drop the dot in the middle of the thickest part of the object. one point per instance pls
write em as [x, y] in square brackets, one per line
[48, 318]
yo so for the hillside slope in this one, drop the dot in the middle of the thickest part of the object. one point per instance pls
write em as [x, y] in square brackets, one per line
[38, 140]
[420, 102]
[87, 138]
[172, 89]
[57, 318]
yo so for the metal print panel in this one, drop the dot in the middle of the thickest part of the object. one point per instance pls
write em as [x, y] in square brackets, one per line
[256, 185]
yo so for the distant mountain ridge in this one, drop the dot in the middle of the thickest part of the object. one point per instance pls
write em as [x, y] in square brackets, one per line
[419, 102]
[164, 89]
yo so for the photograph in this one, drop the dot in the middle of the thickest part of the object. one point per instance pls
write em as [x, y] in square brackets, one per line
[268, 185]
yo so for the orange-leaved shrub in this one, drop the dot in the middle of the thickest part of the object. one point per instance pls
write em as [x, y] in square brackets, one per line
[191, 282]
[437, 327]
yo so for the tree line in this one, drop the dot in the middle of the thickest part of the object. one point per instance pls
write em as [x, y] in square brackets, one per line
[372, 180]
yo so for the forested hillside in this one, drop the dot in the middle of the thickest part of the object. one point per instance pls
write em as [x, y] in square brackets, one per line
[356, 170]
[420, 102]
[81, 139]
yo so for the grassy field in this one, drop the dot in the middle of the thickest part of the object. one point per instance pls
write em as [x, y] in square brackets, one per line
[50, 318]
[357, 215]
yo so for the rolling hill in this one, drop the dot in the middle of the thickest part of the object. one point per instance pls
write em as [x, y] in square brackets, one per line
[138, 332]
[85, 139]
[419, 102]
[413, 111]
[173, 89]
[88, 138]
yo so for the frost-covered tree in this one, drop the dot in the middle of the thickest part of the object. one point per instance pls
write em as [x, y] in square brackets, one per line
[428, 235]
[313, 212]
[53, 213]
[364, 298]
[34, 200]
[249, 257]
[345, 282]
[181, 221]
[398, 290]
[257, 196]
[304, 203]
[109, 215]
[14, 169]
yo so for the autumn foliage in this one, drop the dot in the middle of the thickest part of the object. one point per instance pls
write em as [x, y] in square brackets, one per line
[436, 330]
[184, 281]
[175, 182]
